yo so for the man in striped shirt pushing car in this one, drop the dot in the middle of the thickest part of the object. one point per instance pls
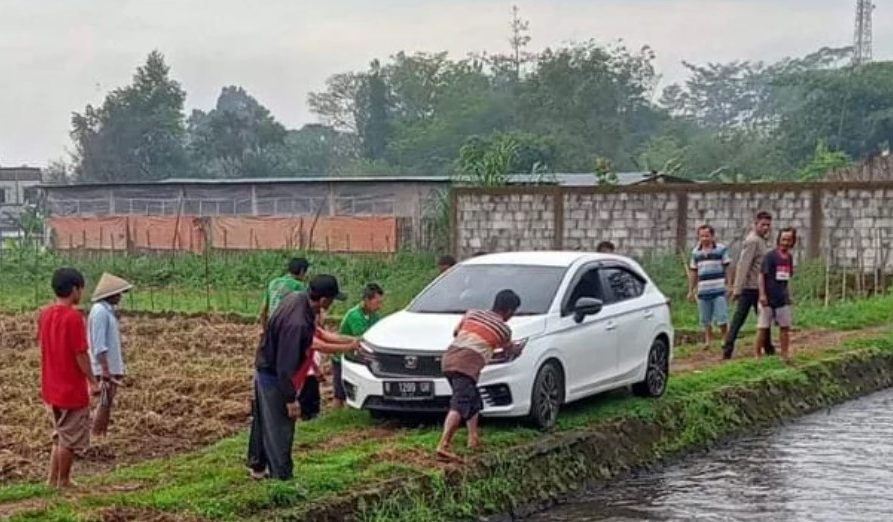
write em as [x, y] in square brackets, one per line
[479, 336]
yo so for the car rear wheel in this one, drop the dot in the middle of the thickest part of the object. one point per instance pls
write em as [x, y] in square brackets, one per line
[658, 372]
[547, 396]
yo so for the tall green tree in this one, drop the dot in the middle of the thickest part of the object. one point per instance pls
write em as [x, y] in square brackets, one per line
[236, 138]
[137, 133]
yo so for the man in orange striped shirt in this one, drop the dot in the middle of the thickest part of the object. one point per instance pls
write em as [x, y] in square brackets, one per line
[478, 336]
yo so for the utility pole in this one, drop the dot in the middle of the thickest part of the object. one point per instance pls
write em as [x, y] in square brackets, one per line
[862, 32]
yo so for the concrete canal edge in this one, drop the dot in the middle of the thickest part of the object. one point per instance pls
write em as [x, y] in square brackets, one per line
[534, 476]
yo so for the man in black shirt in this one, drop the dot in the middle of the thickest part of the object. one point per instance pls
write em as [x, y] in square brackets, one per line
[281, 353]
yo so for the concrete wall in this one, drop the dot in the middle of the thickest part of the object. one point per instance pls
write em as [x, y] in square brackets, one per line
[850, 224]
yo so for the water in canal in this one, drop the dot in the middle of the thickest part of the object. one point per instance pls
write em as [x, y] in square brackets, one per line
[835, 465]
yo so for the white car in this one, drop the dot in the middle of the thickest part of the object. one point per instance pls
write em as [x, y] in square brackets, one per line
[588, 322]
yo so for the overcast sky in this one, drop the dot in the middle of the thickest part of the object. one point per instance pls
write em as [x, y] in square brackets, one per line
[56, 56]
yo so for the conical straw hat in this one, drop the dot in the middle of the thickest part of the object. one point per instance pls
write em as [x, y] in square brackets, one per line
[110, 285]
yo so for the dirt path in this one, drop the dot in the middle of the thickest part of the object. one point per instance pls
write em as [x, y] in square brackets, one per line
[802, 341]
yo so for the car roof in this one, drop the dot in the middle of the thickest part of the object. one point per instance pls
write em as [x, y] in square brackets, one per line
[539, 258]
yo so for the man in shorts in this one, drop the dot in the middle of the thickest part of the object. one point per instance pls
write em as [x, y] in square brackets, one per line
[775, 293]
[708, 279]
[66, 375]
[480, 335]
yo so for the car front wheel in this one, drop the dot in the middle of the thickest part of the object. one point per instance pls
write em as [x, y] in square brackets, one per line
[658, 372]
[547, 396]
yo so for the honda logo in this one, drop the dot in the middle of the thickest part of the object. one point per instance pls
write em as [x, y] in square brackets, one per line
[411, 362]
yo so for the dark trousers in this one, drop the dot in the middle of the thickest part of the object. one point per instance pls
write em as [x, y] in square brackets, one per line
[309, 398]
[747, 301]
[272, 432]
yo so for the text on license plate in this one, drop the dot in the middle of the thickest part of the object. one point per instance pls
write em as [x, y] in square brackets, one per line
[409, 389]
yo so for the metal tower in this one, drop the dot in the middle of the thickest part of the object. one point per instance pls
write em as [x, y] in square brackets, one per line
[862, 34]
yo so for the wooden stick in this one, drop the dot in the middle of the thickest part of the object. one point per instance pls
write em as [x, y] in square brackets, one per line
[828, 278]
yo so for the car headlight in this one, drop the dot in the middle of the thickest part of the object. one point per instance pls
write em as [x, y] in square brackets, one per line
[365, 355]
[503, 356]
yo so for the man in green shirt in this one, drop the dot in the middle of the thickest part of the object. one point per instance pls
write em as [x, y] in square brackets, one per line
[355, 323]
[281, 286]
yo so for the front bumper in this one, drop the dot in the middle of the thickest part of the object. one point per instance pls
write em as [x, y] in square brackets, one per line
[504, 393]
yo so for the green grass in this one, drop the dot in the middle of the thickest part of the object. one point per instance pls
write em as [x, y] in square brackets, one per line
[212, 483]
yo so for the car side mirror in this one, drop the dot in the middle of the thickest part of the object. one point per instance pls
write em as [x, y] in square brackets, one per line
[586, 306]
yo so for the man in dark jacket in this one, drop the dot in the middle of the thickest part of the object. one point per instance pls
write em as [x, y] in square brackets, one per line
[282, 350]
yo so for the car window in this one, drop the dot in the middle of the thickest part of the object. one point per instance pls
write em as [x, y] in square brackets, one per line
[469, 287]
[588, 286]
[621, 284]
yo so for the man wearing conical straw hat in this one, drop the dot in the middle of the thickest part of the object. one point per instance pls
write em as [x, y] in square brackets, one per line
[104, 336]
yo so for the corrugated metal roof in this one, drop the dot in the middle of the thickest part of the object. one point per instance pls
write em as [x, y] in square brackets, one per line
[267, 181]
[588, 179]
[19, 174]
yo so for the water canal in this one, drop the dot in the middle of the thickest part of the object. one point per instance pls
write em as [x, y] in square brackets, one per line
[834, 465]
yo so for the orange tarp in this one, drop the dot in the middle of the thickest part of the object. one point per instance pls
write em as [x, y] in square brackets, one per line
[336, 234]
[188, 233]
[93, 233]
[167, 233]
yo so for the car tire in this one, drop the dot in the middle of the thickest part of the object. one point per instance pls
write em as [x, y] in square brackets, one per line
[547, 396]
[657, 373]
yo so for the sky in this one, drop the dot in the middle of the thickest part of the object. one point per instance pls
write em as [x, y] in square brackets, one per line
[57, 56]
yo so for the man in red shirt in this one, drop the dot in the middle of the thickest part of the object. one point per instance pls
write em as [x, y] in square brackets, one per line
[65, 373]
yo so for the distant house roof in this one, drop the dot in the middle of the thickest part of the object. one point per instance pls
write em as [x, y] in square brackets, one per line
[588, 179]
[19, 174]
[267, 181]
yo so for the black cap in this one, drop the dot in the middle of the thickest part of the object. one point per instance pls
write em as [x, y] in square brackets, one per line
[326, 286]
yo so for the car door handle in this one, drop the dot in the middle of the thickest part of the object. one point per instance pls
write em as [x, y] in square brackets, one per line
[649, 314]
[611, 326]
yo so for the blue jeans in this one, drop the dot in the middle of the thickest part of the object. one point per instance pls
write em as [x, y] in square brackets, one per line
[714, 311]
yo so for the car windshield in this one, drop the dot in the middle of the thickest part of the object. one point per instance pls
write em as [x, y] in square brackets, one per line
[470, 287]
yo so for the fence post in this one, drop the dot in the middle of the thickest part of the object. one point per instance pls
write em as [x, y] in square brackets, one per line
[816, 224]
[681, 220]
[558, 218]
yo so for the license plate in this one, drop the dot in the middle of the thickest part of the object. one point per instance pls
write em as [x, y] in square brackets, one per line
[409, 390]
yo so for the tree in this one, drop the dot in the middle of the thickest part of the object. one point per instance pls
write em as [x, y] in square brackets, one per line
[137, 133]
[487, 166]
[236, 138]
[519, 40]
[374, 115]
[313, 150]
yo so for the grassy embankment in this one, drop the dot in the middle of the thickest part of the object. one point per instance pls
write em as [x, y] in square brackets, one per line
[345, 451]
[233, 283]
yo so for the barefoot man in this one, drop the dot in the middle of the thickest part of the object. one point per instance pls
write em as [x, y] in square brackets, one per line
[66, 376]
[479, 335]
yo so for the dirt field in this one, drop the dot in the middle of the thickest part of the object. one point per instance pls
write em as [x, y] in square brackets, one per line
[189, 385]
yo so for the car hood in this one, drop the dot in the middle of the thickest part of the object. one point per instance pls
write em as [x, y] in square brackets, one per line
[434, 332]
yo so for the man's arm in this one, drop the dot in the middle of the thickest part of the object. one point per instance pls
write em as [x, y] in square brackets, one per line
[99, 328]
[692, 283]
[288, 359]
[333, 338]
[81, 357]
[748, 253]
[329, 347]
[765, 269]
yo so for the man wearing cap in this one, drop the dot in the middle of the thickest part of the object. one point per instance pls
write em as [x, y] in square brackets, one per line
[282, 351]
[104, 341]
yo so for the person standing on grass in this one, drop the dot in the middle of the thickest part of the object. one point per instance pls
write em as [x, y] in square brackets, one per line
[775, 293]
[479, 335]
[281, 286]
[66, 376]
[323, 342]
[708, 280]
[355, 323]
[445, 262]
[283, 351]
[104, 341]
[746, 290]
